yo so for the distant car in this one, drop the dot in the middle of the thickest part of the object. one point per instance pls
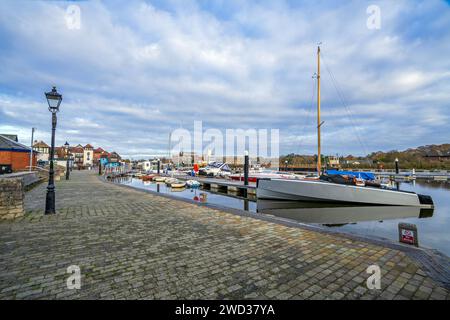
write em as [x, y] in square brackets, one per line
[41, 163]
[215, 169]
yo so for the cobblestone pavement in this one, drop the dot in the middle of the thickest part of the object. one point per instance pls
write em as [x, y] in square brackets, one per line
[130, 244]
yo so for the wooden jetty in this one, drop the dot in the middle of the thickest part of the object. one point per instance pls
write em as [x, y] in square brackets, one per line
[223, 185]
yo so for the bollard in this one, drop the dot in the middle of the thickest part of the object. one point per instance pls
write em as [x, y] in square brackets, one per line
[246, 168]
[245, 204]
[159, 165]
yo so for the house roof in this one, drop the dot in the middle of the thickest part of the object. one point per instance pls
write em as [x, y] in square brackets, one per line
[99, 150]
[12, 137]
[76, 149]
[7, 144]
[88, 146]
[60, 152]
[40, 144]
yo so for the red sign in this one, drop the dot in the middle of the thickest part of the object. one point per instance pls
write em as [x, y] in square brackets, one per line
[407, 236]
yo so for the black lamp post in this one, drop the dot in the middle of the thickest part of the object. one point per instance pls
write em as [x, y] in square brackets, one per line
[66, 145]
[54, 100]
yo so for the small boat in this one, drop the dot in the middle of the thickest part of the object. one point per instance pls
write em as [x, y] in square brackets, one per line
[178, 184]
[193, 184]
[215, 169]
[159, 179]
[148, 177]
[169, 181]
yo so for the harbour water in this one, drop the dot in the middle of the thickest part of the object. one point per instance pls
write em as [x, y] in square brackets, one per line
[374, 221]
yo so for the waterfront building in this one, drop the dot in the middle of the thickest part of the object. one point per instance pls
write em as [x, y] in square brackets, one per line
[13, 137]
[333, 161]
[114, 157]
[78, 155]
[14, 156]
[98, 154]
[185, 158]
[147, 165]
[42, 149]
[88, 155]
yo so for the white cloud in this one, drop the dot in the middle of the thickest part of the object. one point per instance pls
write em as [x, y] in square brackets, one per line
[141, 70]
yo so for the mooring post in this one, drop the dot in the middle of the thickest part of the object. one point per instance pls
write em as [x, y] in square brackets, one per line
[245, 172]
[245, 204]
[246, 168]
[396, 166]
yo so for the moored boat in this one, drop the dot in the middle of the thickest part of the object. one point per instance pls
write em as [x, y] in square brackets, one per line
[326, 191]
[169, 181]
[178, 184]
[148, 177]
[337, 186]
[254, 175]
[193, 184]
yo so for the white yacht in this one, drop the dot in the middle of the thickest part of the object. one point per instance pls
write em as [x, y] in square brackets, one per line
[340, 188]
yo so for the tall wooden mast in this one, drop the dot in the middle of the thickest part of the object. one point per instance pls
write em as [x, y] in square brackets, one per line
[319, 160]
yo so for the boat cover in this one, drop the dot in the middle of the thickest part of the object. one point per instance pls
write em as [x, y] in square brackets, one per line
[362, 175]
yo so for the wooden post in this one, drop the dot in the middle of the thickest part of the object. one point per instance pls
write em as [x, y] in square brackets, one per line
[246, 172]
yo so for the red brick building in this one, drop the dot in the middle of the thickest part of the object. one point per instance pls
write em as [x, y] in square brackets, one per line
[14, 154]
[98, 154]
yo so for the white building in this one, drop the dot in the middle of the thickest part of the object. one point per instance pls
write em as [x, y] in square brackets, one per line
[42, 149]
[148, 165]
[88, 155]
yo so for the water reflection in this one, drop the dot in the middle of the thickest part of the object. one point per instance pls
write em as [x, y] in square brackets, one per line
[332, 215]
[232, 200]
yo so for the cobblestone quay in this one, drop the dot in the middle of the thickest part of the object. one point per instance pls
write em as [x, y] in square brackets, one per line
[130, 244]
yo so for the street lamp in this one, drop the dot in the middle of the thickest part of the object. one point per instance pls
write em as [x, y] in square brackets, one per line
[54, 100]
[66, 145]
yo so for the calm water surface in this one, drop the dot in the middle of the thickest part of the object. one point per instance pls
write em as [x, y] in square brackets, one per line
[380, 221]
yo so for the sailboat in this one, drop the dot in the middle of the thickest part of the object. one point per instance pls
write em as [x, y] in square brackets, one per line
[327, 189]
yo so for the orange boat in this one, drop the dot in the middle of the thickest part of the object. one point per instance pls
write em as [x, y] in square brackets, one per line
[148, 177]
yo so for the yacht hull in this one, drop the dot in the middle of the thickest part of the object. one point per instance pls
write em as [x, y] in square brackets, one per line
[322, 191]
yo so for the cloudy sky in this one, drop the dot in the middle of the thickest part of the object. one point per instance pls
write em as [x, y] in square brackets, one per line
[136, 70]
